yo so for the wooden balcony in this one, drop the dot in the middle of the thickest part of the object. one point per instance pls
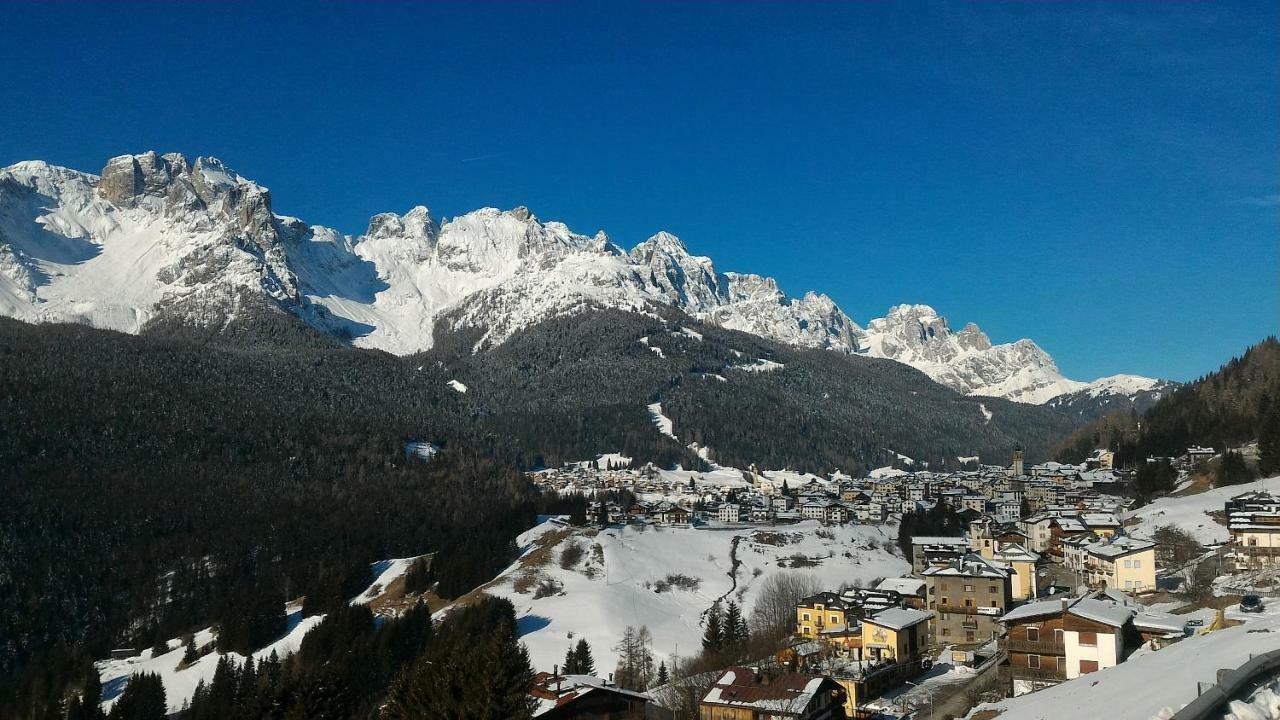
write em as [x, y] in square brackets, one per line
[1035, 647]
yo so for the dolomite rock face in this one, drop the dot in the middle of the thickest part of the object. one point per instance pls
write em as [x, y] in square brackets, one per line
[158, 236]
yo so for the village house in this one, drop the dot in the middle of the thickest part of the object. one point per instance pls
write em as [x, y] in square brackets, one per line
[1049, 641]
[966, 596]
[910, 589]
[582, 697]
[1122, 563]
[1253, 520]
[1024, 580]
[743, 693]
[929, 551]
[729, 513]
[899, 635]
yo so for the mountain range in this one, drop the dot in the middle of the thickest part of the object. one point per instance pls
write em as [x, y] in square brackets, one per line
[158, 238]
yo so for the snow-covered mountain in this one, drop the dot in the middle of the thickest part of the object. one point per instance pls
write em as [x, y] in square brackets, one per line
[155, 236]
[966, 361]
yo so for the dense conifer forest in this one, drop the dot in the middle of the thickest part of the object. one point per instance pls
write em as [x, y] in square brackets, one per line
[160, 483]
[1235, 405]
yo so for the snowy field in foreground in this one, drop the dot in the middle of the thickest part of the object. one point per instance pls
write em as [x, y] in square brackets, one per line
[1150, 684]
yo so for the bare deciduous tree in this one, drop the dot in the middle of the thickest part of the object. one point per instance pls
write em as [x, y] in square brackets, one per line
[773, 617]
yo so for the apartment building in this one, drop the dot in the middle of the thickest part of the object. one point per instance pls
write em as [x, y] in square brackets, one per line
[966, 596]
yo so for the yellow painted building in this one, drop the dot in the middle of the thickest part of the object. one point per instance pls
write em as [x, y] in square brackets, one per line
[896, 634]
[1022, 561]
[824, 613]
[1123, 563]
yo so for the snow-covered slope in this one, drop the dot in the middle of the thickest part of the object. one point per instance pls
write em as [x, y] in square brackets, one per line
[156, 235]
[1191, 512]
[619, 580]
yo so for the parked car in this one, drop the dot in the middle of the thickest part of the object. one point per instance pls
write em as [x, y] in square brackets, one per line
[1251, 603]
[1195, 622]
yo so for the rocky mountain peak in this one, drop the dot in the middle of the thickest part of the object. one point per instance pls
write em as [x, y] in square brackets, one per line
[169, 185]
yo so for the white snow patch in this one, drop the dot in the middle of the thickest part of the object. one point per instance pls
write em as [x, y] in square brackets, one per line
[458, 386]
[662, 422]
[421, 449]
[760, 365]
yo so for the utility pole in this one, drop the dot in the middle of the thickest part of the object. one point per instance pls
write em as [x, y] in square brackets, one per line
[928, 693]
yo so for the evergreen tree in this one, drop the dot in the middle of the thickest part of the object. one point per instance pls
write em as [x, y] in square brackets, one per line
[713, 636]
[190, 654]
[582, 658]
[418, 578]
[663, 676]
[86, 705]
[476, 668]
[732, 629]
[570, 666]
[1269, 441]
[142, 699]
[1232, 470]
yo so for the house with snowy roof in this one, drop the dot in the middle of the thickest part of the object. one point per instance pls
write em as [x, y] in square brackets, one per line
[1253, 519]
[583, 697]
[965, 597]
[1121, 562]
[744, 693]
[930, 550]
[1049, 641]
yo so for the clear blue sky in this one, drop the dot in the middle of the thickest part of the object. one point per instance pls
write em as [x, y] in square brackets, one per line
[1102, 178]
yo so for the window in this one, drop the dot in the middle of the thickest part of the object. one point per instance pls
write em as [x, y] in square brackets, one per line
[946, 631]
[1062, 665]
[968, 588]
[1033, 661]
[835, 618]
[1033, 634]
[1089, 639]
[1137, 563]
[968, 602]
[1128, 563]
[805, 616]
[1057, 635]
[944, 601]
[993, 604]
[1088, 666]
[994, 590]
[1128, 584]
[968, 635]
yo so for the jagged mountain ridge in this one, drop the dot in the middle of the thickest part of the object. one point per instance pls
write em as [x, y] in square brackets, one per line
[157, 237]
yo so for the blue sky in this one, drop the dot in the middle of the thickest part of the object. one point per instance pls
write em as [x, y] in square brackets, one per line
[1101, 178]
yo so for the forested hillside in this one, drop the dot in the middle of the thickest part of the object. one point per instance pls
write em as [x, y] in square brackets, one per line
[158, 483]
[1224, 409]
[748, 399]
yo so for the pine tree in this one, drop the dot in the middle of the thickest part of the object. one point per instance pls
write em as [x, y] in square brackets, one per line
[663, 676]
[1269, 441]
[713, 636]
[582, 655]
[732, 626]
[190, 654]
[1232, 470]
[570, 666]
[142, 699]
